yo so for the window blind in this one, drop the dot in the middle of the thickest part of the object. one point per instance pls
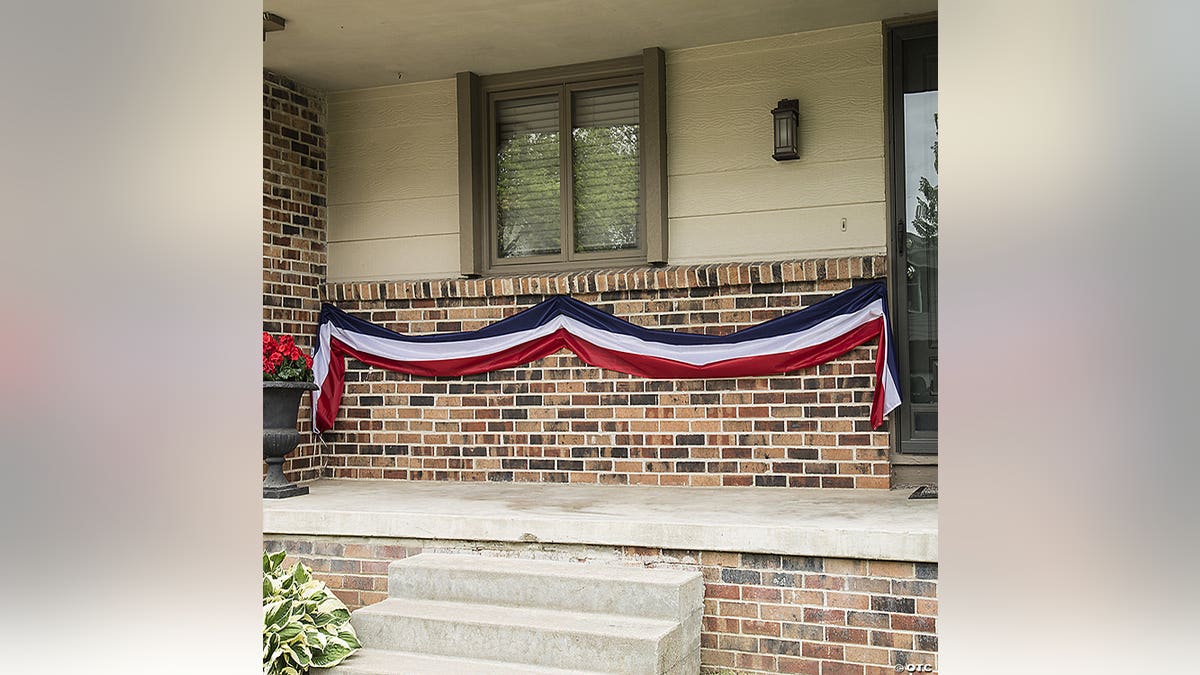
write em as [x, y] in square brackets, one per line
[606, 168]
[528, 212]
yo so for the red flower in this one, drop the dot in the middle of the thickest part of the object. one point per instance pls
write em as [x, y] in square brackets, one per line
[282, 354]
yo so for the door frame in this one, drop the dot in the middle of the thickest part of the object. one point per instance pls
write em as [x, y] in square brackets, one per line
[915, 453]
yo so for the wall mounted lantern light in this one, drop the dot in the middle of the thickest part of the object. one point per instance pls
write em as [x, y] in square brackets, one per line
[272, 23]
[787, 122]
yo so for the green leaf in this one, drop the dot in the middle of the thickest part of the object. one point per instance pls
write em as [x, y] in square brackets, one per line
[332, 605]
[316, 639]
[276, 612]
[272, 561]
[301, 574]
[347, 635]
[331, 656]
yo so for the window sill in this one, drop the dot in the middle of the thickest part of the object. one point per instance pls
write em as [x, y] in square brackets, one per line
[625, 279]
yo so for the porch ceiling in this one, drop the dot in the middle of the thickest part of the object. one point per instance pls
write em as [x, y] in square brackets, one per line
[351, 44]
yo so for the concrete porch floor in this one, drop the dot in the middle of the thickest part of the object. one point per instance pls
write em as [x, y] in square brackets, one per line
[867, 524]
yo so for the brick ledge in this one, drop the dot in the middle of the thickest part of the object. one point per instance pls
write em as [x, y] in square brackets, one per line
[627, 279]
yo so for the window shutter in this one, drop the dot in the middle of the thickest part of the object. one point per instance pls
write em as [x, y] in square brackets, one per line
[606, 169]
[527, 177]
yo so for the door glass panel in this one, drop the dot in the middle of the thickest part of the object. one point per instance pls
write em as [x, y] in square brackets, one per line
[914, 264]
[921, 268]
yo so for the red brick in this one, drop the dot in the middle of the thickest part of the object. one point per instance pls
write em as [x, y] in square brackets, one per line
[721, 624]
[738, 609]
[790, 664]
[855, 636]
[869, 619]
[761, 594]
[916, 624]
[816, 650]
[827, 616]
[782, 612]
[762, 662]
[824, 581]
[738, 643]
[756, 627]
[848, 600]
[889, 568]
[713, 657]
[727, 591]
[868, 655]
[834, 668]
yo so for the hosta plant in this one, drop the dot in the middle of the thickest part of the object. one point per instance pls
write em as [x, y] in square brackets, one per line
[304, 624]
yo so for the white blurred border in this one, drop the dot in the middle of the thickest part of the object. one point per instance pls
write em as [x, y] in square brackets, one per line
[131, 298]
[1068, 155]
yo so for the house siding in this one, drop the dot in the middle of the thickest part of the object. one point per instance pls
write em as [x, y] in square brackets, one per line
[728, 199]
[393, 208]
[393, 182]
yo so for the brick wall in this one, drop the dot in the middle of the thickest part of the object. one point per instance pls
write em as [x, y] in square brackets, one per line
[293, 226]
[762, 613]
[559, 420]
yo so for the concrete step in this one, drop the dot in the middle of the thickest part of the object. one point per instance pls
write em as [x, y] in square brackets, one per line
[581, 587]
[367, 661]
[522, 635]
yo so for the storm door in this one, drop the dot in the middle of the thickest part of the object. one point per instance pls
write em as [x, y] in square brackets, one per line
[914, 244]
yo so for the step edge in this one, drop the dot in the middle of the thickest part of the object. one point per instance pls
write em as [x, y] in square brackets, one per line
[527, 617]
[662, 573]
[466, 660]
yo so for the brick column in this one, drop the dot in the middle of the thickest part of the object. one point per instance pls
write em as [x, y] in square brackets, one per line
[294, 226]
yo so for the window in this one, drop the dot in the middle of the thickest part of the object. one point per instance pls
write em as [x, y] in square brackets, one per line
[563, 168]
[914, 264]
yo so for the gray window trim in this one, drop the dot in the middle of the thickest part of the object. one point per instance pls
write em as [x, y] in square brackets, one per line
[476, 96]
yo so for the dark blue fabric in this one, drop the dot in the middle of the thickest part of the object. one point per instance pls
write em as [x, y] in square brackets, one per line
[843, 303]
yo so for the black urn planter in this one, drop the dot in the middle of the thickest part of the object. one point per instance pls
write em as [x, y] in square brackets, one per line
[281, 403]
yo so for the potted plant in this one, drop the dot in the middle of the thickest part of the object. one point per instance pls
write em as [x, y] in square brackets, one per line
[287, 374]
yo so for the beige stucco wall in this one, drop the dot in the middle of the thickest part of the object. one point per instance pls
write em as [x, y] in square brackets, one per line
[393, 210]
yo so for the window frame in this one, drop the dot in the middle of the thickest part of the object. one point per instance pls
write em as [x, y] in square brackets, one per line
[477, 97]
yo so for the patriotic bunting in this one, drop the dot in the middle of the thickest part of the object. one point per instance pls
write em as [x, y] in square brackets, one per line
[800, 339]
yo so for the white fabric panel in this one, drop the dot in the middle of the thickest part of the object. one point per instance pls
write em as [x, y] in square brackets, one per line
[696, 355]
